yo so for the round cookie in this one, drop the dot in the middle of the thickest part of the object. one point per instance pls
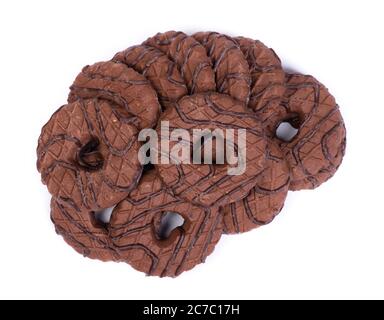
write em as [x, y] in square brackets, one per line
[87, 156]
[229, 64]
[211, 184]
[191, 58]
[122, 85]
[134, 225]
[267, 82]
[82, 231]
[316, 151]
[265, 200]
[161, 72]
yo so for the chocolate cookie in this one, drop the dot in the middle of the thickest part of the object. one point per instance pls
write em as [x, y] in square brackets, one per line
[82, 231]
[88, 156]
[134, 230]
[229, 64]
[122, 85]
[212, 184]
[268, 80]
[191, 58]
[316, 151]
[264, 201]
[162, 73]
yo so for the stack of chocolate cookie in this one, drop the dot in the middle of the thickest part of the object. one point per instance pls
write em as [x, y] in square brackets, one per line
[88, 152]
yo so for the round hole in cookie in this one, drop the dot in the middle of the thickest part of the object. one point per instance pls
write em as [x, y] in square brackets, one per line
[101, 218]
[286, 131]
[169, 222]
[88, 156]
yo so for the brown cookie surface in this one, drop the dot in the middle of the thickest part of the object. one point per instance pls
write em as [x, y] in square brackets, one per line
[316, 151]
[212, 184]
[134, 230]
[191, 58]
[162, 73]
[265, 200]
[82, 231]
[229, 64]
[122, 85]
[267, 82]
[87, 156]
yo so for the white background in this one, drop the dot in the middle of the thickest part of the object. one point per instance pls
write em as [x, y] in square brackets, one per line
[326, 243]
